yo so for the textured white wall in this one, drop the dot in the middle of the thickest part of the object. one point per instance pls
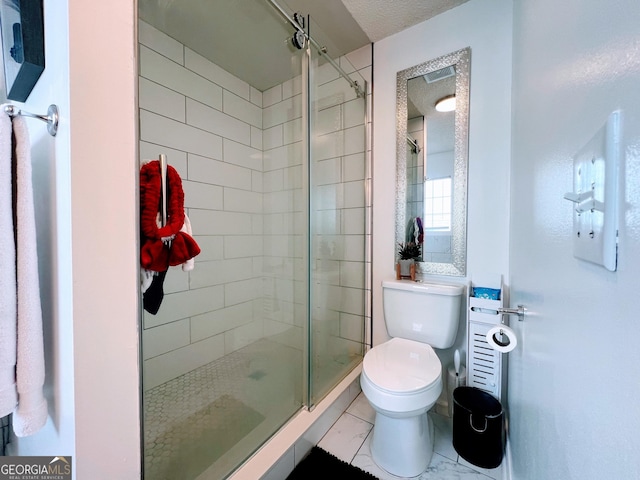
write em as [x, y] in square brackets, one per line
[485, 26]
[574, 386]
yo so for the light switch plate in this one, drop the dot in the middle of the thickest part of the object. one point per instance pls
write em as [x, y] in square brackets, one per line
[596, 196]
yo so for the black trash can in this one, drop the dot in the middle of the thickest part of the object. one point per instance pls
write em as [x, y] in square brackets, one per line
[478, 427]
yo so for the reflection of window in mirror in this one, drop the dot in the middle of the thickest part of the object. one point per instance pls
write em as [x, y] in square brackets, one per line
[437, 204]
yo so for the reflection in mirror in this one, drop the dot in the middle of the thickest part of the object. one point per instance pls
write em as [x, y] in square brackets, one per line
[432, 150]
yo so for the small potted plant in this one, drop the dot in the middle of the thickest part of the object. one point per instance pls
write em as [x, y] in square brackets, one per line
[407, 253]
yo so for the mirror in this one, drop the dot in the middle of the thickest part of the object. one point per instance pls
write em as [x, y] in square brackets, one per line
[432, 158]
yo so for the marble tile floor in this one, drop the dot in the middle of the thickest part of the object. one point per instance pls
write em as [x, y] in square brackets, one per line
[348, 439]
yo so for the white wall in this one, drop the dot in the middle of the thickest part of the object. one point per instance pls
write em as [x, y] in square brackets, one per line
[102, 123]
[485, 26]
[574, 385]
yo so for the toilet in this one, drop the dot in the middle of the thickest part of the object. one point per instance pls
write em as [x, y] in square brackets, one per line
[402, 378]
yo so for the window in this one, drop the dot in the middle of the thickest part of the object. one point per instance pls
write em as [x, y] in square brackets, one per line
[437, 204]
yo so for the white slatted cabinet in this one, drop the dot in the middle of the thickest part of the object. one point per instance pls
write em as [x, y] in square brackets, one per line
[486, 367]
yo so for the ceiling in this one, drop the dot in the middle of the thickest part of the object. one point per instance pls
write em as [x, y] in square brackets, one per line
[251, 40]
[381, 18]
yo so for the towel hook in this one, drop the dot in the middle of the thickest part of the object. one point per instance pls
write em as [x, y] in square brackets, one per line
[51, 117]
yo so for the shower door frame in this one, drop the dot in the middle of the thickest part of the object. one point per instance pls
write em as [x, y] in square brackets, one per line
[307, 130]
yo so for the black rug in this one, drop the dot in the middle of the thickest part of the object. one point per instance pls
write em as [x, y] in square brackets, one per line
[321, 464]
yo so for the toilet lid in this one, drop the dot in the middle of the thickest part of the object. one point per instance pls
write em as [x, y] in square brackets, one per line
[402, 366]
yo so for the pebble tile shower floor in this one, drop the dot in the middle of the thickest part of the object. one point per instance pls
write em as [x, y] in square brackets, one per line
[210, 419]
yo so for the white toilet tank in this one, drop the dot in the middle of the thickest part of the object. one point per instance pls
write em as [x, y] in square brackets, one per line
[424, 312]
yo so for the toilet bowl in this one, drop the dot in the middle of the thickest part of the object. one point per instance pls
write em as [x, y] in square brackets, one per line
[402, 380]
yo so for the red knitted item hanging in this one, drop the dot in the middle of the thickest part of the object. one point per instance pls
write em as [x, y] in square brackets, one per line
[165, 246]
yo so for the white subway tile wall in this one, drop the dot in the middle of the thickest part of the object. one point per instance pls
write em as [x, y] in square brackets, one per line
[239, 152]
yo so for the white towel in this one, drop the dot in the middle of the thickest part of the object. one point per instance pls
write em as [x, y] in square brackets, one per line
[31, 413]
[8, 298]
[191, 263]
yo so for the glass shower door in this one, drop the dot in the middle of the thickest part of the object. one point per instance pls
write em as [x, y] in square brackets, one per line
[338, 172]
[269, 141]
[224, 357]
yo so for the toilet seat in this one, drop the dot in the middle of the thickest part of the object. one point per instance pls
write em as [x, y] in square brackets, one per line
[402, 366]
[401, 376]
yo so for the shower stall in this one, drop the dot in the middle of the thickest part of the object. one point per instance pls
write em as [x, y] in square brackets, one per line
[269, 136]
